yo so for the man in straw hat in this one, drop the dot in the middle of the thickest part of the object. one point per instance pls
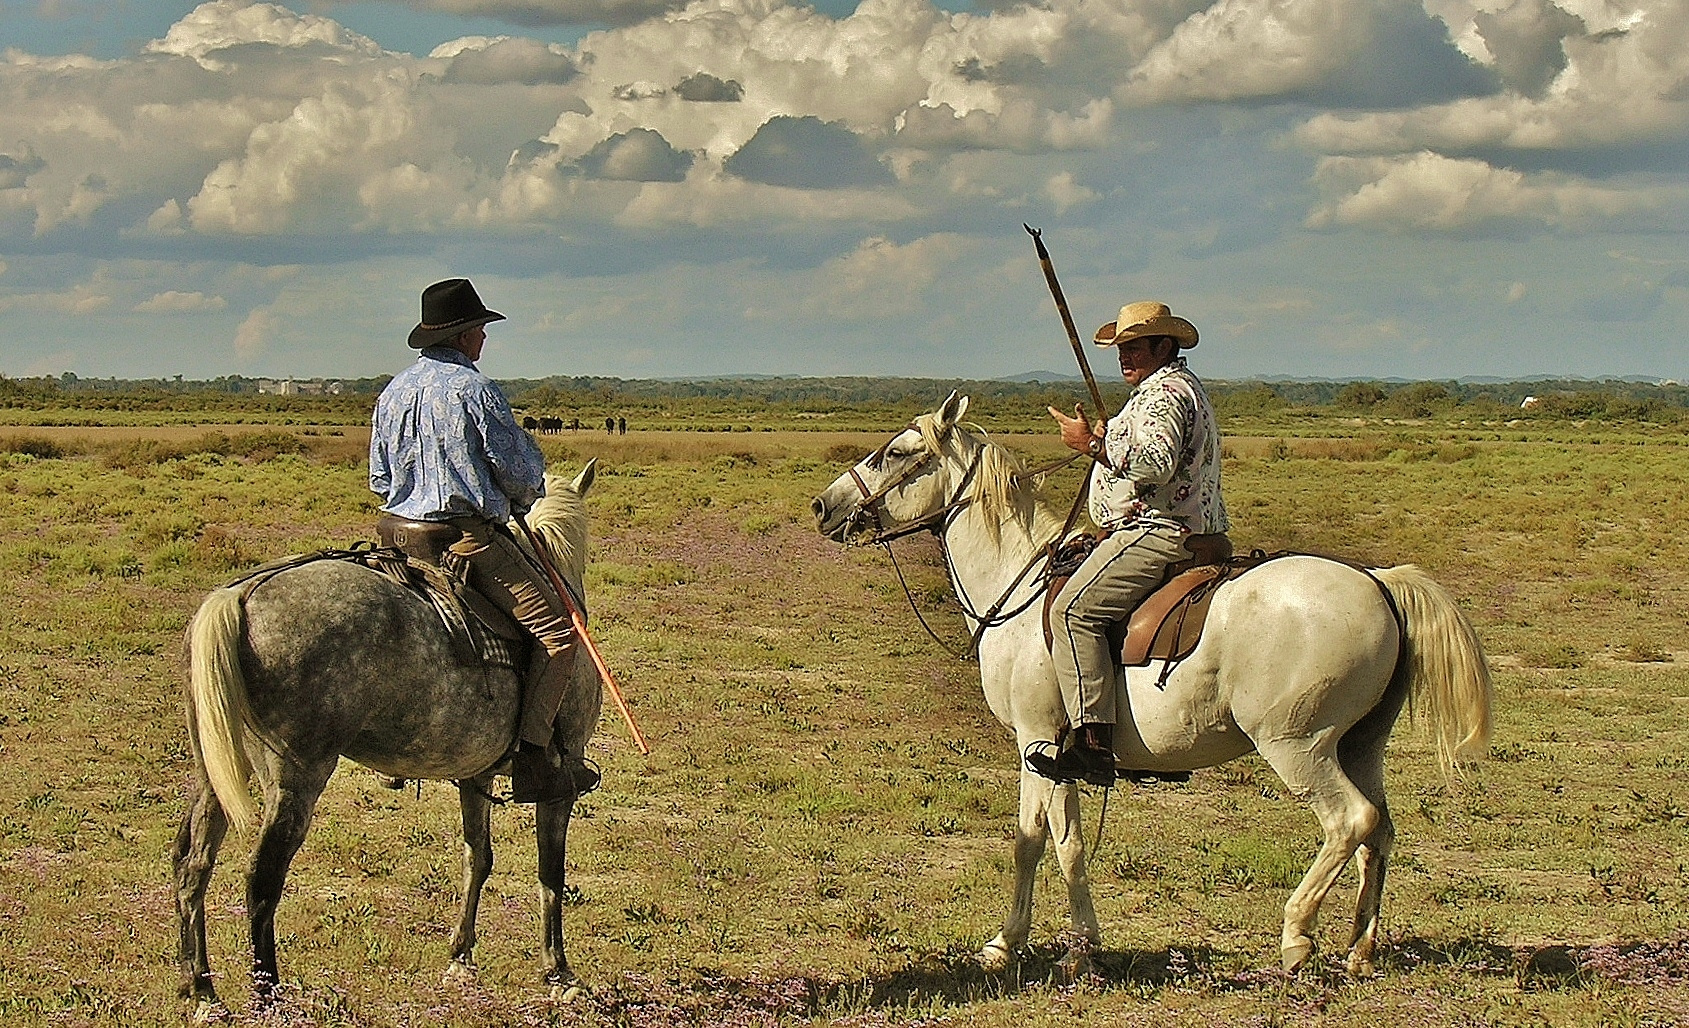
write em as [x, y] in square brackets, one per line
[1155, 484]
[445, 447]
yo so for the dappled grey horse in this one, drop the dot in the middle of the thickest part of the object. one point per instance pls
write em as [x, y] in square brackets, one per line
[1305, 660]
[334, 659]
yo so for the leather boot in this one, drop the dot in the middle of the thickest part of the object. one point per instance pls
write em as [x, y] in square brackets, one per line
[537, 776]
[1089, 757]
[548, 776]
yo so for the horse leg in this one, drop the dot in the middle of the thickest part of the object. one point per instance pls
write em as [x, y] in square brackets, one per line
[1346, 817]
[477, 865]
[551, 826]
[1068, 832]
[1031, 833]
[192, 860]
[1363, 761]
[290, 799]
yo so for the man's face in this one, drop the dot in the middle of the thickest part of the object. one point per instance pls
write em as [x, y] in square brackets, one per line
[471, 342]
[1142, 357]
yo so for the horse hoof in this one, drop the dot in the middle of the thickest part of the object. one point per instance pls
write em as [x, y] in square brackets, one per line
[211, 1011]
[459, 971]
[1361, 966]
[1296, 954]
[995, 957]
[566, 994]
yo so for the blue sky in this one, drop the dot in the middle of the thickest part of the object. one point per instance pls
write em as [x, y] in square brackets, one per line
[1346, 188]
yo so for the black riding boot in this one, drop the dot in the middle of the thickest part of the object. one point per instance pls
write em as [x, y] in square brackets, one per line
[1089, 757]
[545, 775]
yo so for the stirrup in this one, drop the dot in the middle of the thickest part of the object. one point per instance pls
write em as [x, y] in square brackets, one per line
[1074, 764]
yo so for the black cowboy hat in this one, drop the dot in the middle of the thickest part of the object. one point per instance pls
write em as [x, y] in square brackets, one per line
[448, 308]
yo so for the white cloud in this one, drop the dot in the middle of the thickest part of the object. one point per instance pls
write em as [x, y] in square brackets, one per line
[1066, 192]
[222, 24]
[552, 12]
[878, 280]
[1430, 192]
[173, 301]
[255, 334]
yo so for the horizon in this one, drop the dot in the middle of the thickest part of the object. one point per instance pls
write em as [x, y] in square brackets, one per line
[1361, 190]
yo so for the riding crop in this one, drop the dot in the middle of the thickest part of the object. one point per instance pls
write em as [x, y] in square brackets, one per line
[1067, 319]
[579, 621]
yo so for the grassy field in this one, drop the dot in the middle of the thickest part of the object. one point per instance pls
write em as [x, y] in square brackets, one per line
[821, 831]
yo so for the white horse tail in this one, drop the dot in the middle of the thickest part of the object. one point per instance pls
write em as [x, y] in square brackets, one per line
[217, 705]
[1448, 678]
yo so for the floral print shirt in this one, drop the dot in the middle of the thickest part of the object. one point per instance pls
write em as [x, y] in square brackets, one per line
[1165, 452]
[444, 444]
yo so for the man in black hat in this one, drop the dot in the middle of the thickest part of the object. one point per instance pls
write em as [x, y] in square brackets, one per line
[445, 447]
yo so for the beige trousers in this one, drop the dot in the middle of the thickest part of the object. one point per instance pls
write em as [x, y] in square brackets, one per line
[501, 571]
[1117, 576]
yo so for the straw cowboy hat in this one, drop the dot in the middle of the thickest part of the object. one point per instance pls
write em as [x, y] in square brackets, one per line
[1146, 318]
[448, 308]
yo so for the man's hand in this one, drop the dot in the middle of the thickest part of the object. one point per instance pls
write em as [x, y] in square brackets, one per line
[1077, 431]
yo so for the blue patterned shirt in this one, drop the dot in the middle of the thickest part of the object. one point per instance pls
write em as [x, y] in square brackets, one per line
[445, 444]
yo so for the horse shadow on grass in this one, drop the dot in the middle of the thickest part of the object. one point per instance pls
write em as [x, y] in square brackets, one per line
[953, 978]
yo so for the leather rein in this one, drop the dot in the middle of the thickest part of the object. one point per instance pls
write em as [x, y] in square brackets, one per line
[873, 504]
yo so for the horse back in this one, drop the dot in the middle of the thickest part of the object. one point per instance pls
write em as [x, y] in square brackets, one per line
[341, 659]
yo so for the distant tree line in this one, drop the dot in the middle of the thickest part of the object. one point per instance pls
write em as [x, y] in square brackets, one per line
[881, 398]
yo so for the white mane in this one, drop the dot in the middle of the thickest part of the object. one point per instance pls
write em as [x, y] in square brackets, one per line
[558, 521]
[1001, 490]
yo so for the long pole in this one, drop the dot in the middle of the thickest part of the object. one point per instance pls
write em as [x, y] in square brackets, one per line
[1067, 320]
[579, 621]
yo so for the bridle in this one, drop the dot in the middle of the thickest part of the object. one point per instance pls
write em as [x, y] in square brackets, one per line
[872, 505]
[871, 510]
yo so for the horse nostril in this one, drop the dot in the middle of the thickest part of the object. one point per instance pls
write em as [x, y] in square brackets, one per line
[818, 507]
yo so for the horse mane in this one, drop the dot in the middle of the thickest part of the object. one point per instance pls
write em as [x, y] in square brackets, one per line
[1001, 490]
[558, 521]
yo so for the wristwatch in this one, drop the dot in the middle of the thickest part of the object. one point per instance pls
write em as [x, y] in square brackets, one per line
[1094, 448]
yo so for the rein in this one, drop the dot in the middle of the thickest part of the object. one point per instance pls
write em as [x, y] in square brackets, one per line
[937, 523]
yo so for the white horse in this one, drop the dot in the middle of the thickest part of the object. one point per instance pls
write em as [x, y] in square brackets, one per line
[1304, 660]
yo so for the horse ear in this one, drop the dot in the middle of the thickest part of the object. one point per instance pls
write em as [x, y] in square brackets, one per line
[583, 481]
[955, 405]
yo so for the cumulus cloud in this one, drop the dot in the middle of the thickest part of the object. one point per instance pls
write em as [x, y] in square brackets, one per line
[526, 61]
[176, 302]
[535, 13]
[703, 87]
[638, 155]
[1570, 90]
[878, 280]
[1431, 192]
[1526, 40]
[224, 24]
[1346, 52]
[255, 334]
[807, 153]
[16, 169]
[1066, 192]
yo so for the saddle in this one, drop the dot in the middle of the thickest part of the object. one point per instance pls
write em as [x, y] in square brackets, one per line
[1167, 625]
[480, 630]
[481, 634]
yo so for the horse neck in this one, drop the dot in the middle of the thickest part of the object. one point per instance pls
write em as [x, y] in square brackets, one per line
[987, 548]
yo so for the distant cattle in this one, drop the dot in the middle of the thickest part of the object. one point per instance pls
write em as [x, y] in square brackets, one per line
[551, 426]
[531, 424]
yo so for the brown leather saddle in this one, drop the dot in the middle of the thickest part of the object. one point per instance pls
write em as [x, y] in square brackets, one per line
[481, 632]
[1167, 625]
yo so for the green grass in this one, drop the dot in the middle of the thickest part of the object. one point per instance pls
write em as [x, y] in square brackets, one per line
[820, 832]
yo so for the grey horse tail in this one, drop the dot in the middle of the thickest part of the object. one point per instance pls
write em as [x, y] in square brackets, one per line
[217, 703]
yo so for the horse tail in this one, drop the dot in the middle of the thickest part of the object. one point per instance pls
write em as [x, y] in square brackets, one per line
[1443, 665]
[217, 704]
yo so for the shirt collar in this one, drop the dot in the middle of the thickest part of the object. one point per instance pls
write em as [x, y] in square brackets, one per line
[1176, 364]
[449, 354]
